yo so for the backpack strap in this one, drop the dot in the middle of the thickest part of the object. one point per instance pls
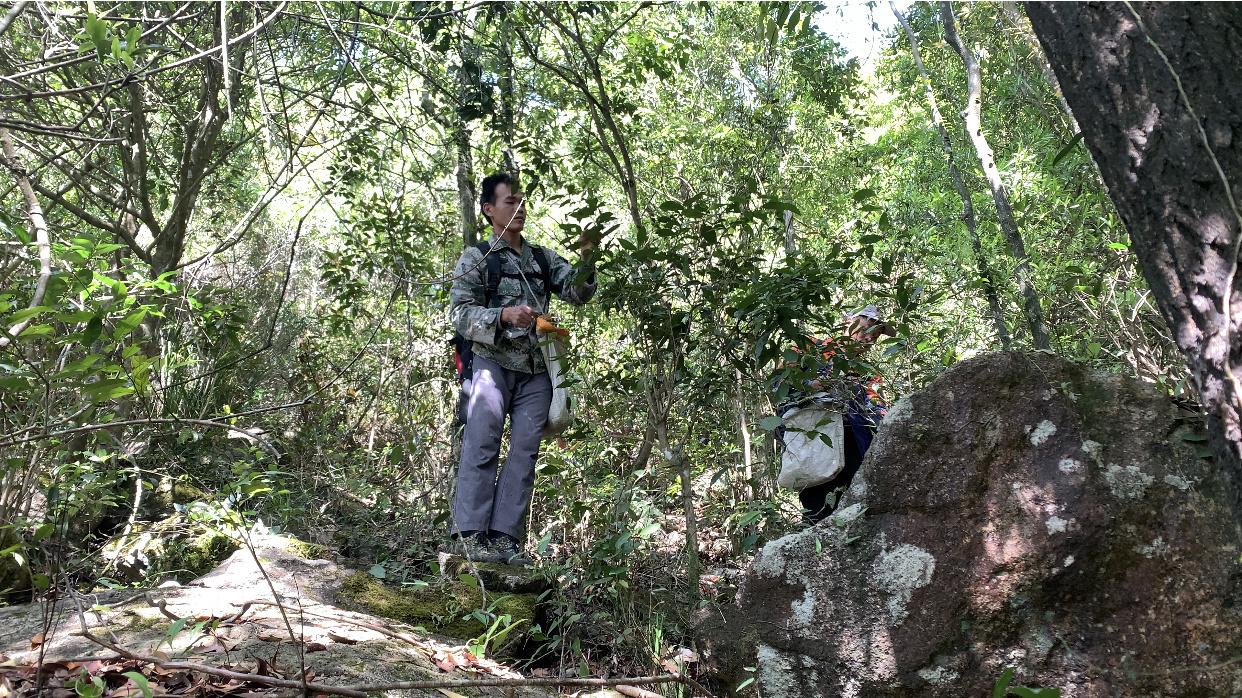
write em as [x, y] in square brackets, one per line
[545, 271]
[493, 272]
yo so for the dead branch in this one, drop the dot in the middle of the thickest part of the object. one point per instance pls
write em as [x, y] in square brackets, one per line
[363, 690]
[12, 15]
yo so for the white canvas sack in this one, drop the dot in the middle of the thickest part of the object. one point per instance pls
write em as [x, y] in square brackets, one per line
[560, 414]
[807, 460]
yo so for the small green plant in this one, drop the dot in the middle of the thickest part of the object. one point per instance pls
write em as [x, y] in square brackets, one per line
[1002, 688]
[88, 686]
[498, 627]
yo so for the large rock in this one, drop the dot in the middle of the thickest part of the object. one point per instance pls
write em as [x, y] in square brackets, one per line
[271, 608]
[175, 547]
[1019, 512]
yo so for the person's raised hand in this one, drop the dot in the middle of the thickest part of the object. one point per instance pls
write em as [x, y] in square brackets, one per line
[518, 316]
[586, 245]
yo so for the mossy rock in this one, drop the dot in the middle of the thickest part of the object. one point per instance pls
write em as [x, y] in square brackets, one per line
[171, 547]
[14, 576]
[165, 498]
[496, 577]
[441, 609]
[306, 551]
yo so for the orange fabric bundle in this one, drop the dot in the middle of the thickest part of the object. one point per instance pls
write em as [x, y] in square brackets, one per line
[546, 325]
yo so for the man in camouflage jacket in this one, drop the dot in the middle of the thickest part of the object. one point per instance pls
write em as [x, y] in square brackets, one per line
[509, 376]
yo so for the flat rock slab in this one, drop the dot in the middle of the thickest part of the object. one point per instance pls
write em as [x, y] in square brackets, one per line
[340, 647]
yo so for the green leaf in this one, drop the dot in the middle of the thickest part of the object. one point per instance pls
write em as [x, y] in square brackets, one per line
[26, 313]
[648, 530]
[771, 423]
[377, 570]
[141, 682]
[468, 580]
[107, 389]
[129, 323]
[1002, 683]
[93, 328]
[97, 31]
[1024, 692]
[42, 532]
[863, 194]
[79, 366]
[1066, 150]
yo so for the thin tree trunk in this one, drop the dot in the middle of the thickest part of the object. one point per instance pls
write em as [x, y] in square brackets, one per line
[972, 116]
[643, 454]
[508, 118]
[743, 425]
[38, 224]
[959, 184]
[1155, 91]
[461, 141]
[681, 465]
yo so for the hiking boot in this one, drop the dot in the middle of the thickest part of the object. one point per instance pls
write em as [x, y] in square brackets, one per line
[473, 547]
[507, 550]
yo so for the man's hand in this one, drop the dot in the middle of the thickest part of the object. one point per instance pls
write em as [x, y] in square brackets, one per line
[518, 316]
[586, 245]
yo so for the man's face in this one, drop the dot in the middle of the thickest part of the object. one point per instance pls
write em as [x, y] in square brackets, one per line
[864, 330]
[508, 210]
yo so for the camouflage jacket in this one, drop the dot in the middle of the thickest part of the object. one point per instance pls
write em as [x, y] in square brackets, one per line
[513, 348]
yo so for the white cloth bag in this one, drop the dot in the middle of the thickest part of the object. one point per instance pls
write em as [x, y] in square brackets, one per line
[560, 413]
[808, 460]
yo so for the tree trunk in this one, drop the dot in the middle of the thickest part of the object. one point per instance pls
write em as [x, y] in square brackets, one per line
[461, 140]
[508, 118]
[743, 427]
[1156, 95]
[38, 225]
[959, 184]
[972, 116]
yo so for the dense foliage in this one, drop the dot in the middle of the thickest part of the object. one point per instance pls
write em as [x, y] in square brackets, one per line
[226, 240]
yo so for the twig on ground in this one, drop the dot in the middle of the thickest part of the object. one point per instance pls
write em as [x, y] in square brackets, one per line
[362, 690]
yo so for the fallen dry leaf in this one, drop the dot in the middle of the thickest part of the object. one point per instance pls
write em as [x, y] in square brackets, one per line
[343, 638]
[450, 694]
[36, 640]
[315, 647]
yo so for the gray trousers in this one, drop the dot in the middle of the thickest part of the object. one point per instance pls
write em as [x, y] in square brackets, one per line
[483, 502]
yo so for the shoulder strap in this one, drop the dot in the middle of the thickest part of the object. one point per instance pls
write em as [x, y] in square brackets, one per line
[493, 272]
[545, 269]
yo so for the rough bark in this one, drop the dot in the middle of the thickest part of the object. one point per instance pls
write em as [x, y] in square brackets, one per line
[973, 119]
[959, 185]
[1155, 89]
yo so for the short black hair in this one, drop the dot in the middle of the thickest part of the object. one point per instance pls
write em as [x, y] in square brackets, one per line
[488, 193]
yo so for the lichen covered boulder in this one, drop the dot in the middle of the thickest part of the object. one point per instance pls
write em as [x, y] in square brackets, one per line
[1019, 512]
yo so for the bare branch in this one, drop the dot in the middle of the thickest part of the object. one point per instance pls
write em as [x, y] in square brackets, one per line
[12, 15]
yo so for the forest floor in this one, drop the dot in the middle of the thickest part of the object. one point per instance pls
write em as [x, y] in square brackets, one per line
[244, 629]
